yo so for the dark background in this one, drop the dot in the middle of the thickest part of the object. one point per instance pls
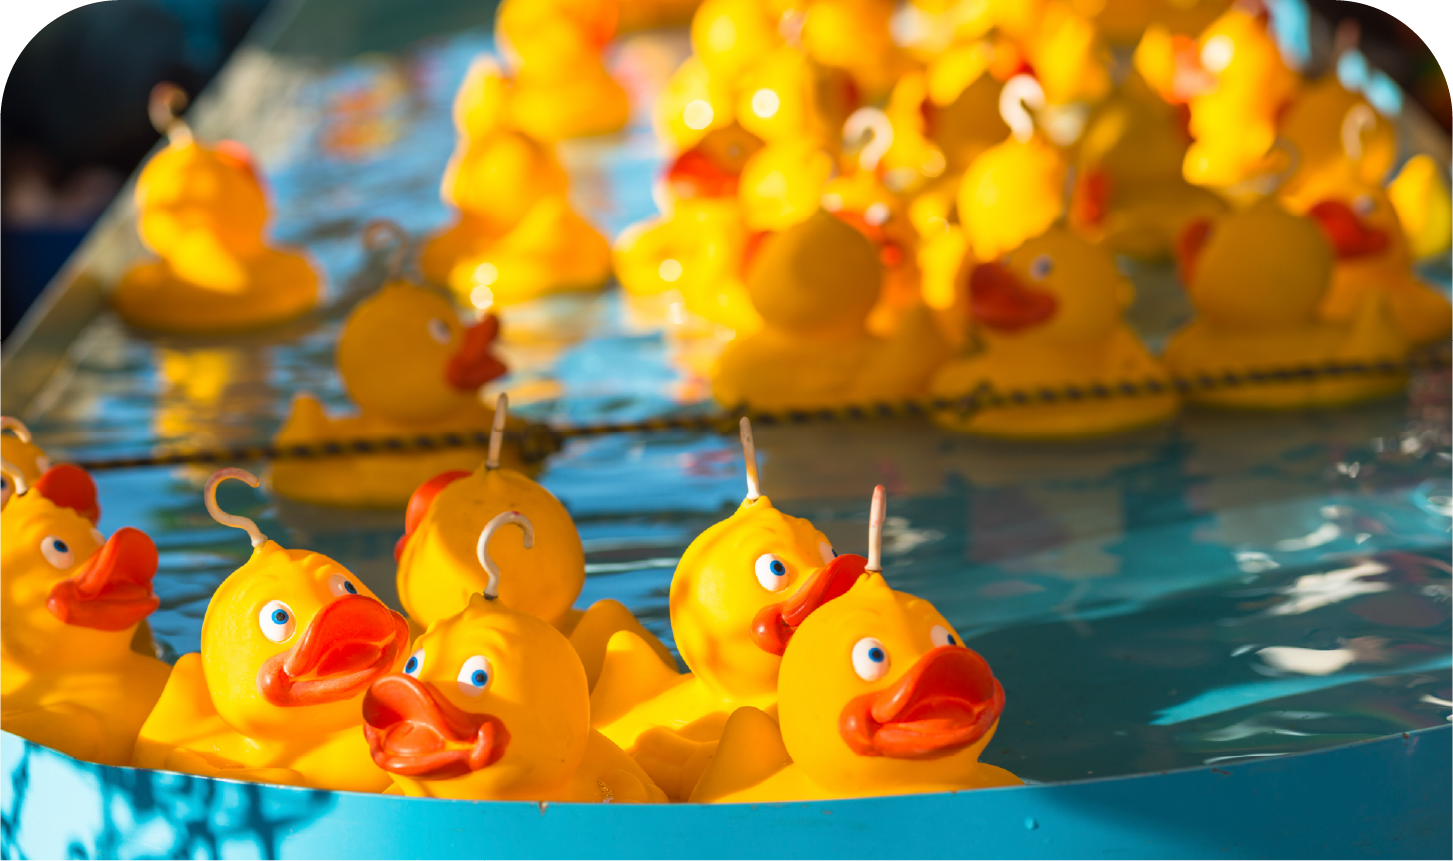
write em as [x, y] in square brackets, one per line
[73, 122]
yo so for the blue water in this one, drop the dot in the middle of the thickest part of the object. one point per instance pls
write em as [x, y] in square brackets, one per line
[1125, 590]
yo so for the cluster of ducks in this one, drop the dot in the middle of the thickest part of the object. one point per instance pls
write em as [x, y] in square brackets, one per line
[809, 676]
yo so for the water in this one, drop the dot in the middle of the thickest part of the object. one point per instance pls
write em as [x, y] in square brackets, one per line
[1229, 586]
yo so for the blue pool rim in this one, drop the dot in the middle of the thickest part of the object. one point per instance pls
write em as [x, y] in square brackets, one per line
[1383, 798]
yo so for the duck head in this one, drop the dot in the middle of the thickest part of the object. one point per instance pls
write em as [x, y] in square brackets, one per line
[404, 354]
[1355, 216]
[71, 596]
[816, 279]
[877, 690]
[20, 452]
[492, 703]
[712, 168]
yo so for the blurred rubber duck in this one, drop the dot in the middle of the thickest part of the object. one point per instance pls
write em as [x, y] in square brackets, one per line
[290, 643]
[517, 236]
[1372, 255]
[1233, 80]
[1123, 22]
[21, 453]
[493, 704]
[814, 285]
[855, 36]
[437, 571]
[412, 367]
[1257, 279]
[738, 590]
[1420, 195]
[1014, 189]
[1129, 193]
[1336, 132]
[877, 695]
[71, 604]
[554, 49]
[1068, 56]
[203, 210]
[1051, 315]
[728, 37]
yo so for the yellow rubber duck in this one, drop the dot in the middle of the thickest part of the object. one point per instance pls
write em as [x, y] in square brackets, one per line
[71, 604]
[1052, 315]
[1372, 256]
[493, 704]
[1420, 195]
[1014, 189]
[1129, 193]
[1123, 22]
[516, 236]
[854, 35]
[65, 484]
[814, 285]
[19, 451]
[877, 696]
[554, 48]
[739, 590]
[412, 367]
[290, 643]
[1067, 53]
[1235, 83]
[1257, 281]
[1336, 131]
[437, 571]
[202, 210]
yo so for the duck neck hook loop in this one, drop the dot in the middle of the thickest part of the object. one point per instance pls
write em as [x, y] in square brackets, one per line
[876, 515]
[165, 107]
[1020, 95]
[16, 477]
[491, 588]
[236, 521]
[497, 433]
[381, 233]
[15, 426]
[749, 454]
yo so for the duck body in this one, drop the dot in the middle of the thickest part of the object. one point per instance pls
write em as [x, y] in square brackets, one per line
[1257, 284]
[202, 210]
[877, 696]
[493, 704]
[71, 604]
[413, 368]
[290, 642]
[1050, 316]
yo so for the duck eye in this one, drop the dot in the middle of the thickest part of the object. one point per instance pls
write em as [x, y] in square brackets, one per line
[276, 621]
[340, 586]
[941, 636]
[828, 554]
[870, 659]
[1363, 205]
[5, 489]
[474, 675]
[415, 664]
[771, 572]
[57, 552]
[439, 331]
[1041, 266]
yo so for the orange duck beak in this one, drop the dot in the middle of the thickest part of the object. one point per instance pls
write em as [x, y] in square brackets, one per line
[1350, 236]
[696, 174]
[1000, 300]
[351, 642]
[943, 704]
[71, 487]
[413, 731]
[775, 624]
[112, 592]
[474, 364]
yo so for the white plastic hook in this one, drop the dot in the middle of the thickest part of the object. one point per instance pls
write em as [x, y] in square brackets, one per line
[236, 521]
[749, 454]
[381, 233]
[1021, 94]
[876, 515]
[16, 477]
[491, 589]
[1359, 120]
[15, 426]
[875, 122]
[164, 107]
[497, 433]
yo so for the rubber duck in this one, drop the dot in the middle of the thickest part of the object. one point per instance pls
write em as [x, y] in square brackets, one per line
[21, 453]
[516, 237]
[814, 285]
[202, 210]
[554, 49]
[1420, 195]
[1336, 131]
[1051, 315]
[436, 555]
[1233, 80]
[854, 35]
[1257, 279]
[1068, 56]
[1372, 255]
[1123, 22]
[493, 704]
[413, 368]
[877, 695]
[1129, 193]
[737, 592]
[290, 643]
[1014, 189]
[71, 604]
